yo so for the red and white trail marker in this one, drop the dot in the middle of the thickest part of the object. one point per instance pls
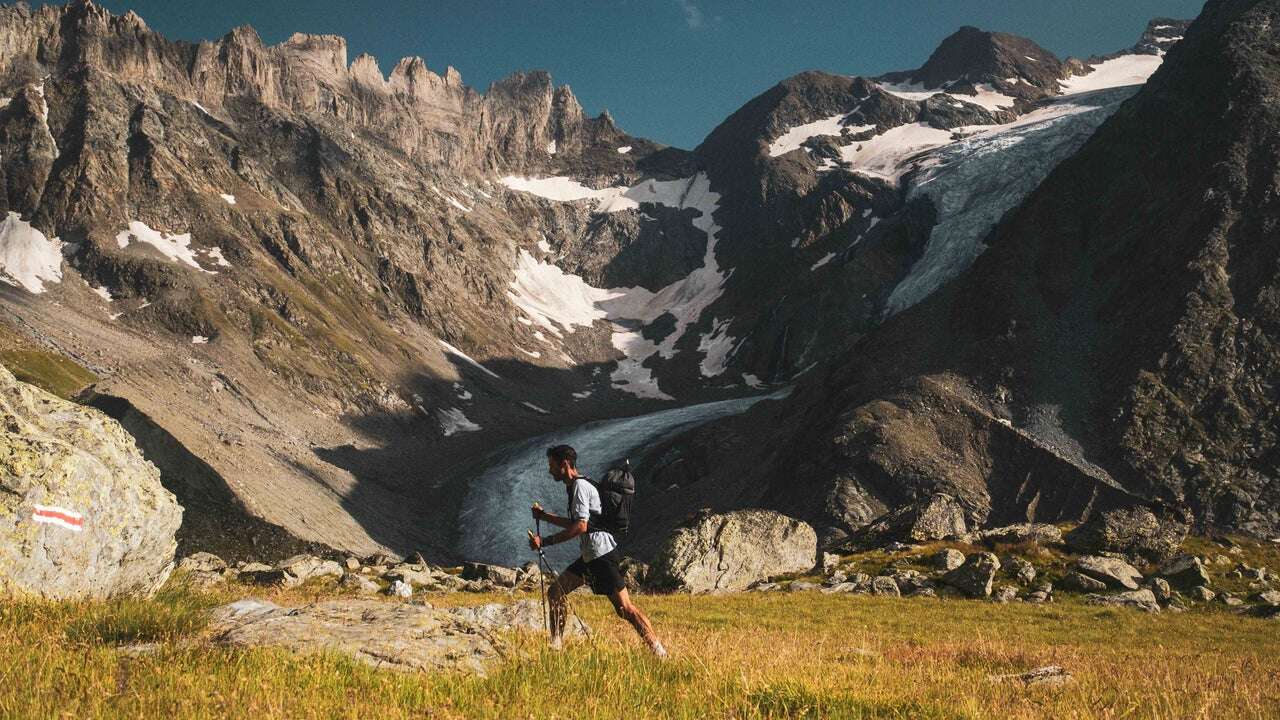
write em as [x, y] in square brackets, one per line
[60, 516]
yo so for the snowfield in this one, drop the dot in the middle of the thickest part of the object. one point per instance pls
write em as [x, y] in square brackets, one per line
[28, 259]
[559, 301]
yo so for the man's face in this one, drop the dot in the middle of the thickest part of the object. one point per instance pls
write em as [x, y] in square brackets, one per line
[558, 470]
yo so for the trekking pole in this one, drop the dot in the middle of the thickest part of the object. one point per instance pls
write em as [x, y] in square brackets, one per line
[542, 582]
[544, 567]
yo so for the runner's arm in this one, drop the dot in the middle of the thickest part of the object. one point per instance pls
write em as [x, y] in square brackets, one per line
[572, 529]
[540, 514]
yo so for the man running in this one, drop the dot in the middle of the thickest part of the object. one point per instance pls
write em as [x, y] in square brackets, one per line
[598, 564]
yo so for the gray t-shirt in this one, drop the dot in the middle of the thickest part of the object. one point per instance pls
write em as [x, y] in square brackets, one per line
[584, 500]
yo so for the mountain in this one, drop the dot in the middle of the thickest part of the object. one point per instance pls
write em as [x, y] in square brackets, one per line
[320, 296]
[1115, 344]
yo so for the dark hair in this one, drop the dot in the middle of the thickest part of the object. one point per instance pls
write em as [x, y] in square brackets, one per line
[561, 453]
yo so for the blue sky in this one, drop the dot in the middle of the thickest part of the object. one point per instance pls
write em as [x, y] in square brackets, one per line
[669, 70]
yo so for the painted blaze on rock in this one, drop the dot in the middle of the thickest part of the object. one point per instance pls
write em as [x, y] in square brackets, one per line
[730, 551]
[82, 513]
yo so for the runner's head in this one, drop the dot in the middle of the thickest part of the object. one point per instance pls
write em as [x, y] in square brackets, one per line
[562, 462]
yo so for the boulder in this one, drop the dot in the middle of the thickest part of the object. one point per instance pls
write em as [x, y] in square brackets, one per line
[307, 567]
[1160, 588]
[910, 580]
[1184, 571]
[202, 562]
[1020, 569]
[1082, 583]
[946, 559]
[524, 615]
[634, 573]
[400, 589]
[1229, 600]
[1270, 598]
[413, 575]
[1041, 533]
[82, 512]
[883, 585]
[1143, 600]
[1049, 675]
[1005, 594]
[496, 574]
[936, 517]
[359, 583]
[1201, 593]
[1111, 571]
[351, 563]
[974, 577]
[730, 551]
[1134, 532]
[397, 636]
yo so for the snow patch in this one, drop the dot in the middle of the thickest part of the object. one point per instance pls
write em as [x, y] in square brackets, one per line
[559, 301]
[230, 199]
[825, 259]
[1118, 72]
[175, 247]
[461, 391]
[216, 254]
[199, 340]
[453, 421]
[103, 293]
[535, 408]
[28, 259]
[752, 381]
[794, 138]
[717, 347]
[582, 395]
[551, 148]
[467, 359]
[624, 149]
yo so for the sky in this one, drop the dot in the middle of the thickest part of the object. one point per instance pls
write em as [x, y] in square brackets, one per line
[668, 70]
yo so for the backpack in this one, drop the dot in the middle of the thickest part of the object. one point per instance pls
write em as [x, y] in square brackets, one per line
[616, 492]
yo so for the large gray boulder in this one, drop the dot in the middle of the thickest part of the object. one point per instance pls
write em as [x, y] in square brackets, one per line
[1111, 571]
[82, 513]
[974, 577]
[730, 551]
[1134, 532]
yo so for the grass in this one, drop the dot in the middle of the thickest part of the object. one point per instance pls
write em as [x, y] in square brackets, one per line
[741, 656]
[45, 369]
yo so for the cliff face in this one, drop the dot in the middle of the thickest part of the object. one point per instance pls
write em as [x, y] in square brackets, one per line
[424, 114]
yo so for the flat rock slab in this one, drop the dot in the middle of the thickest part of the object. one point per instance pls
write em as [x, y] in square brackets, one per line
[398, 636]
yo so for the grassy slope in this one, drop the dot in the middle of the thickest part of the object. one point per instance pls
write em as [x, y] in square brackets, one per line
[746, 655]
[42, 368]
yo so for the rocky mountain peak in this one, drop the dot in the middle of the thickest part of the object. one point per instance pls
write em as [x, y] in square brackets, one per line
[971, 56]
[1161, 34]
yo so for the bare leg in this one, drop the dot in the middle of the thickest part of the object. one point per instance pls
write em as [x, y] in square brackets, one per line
[565, 584]
[627, 610]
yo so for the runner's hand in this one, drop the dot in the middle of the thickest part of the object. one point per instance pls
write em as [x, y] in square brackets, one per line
[535, 542]
[538, 512]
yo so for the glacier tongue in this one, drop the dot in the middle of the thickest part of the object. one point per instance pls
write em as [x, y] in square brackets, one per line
[975, 181]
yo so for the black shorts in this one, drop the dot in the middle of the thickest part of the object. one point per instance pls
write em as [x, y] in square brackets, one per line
[602, 574]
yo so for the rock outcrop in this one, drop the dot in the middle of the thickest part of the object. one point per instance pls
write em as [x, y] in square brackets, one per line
[82, 513]
[730, 551]
[391, 635]
[1136, 532]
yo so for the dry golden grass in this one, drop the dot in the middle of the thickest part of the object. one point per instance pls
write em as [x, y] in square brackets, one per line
[740, 656]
